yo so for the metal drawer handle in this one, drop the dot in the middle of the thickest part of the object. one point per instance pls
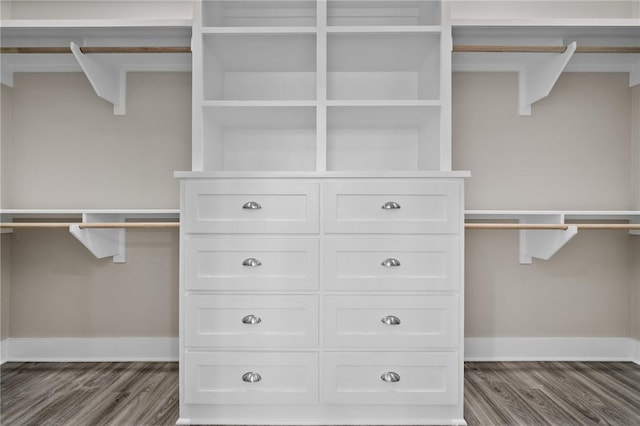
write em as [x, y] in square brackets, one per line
[390, 263]
[390, 320]
[390, 377]
[252, 262]
[391, 205]
[251, 319]
[251, 205]
[252, 377]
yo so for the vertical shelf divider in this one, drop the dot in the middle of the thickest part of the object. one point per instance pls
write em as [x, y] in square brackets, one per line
[321, 86]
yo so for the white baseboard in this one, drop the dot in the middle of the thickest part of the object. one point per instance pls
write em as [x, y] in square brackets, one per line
[92, 349]
[551, 349]
[166, 349]
[4, 356]
[636, 352]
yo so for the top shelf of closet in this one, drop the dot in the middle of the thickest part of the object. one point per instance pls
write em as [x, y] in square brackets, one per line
[305, 13]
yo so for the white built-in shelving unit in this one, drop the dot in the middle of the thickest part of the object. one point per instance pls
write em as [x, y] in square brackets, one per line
[305, 85]
[322, 156]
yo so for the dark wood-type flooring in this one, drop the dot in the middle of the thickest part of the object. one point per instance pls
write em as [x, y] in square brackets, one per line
[496, 393]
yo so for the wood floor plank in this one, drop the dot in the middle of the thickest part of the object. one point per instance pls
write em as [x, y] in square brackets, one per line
[496, 394]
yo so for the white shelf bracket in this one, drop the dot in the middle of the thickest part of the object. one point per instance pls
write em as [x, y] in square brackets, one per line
[108, 82]
[6, 218]
[634, 231]
[543, 244]
[102, 242]
[634, 74]
[536, 80]
[6, 74]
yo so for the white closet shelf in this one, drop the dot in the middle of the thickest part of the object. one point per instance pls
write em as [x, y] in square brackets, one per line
[544, 243]
[104, 234]
[387, 29]
[315, 174]
[259, 30]
[257, 104]
[384, 103]
[538, 72]
[106, 72]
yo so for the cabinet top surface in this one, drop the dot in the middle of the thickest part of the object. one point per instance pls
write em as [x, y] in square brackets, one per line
[312, 175]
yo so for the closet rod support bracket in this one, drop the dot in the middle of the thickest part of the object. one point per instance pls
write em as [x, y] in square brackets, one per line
[102, 242]
[543, 244]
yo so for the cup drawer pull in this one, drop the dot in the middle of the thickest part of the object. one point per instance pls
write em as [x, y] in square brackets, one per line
[252, 262]
[252, 377]
[390, 377]
[390, 263]
[391, 320]
[391, 205]
[251, 319]
[251, 205]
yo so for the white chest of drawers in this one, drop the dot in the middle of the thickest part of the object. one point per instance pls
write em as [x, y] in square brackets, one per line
[321, 300]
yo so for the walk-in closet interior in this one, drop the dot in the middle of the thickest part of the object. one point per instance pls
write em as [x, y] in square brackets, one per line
[320, 208]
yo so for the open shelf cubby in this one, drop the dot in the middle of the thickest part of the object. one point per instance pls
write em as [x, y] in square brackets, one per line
[263, 13]
[383, 66]
[259, 66]
[260, 138]
[383, 13]
[383, 138]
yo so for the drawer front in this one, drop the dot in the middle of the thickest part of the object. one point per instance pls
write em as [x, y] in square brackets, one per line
[410, 321]
[251, 321]
[251, 264]
[392, 264]
[217, 378]
[422, 378]
[378, 207]
[251, 206]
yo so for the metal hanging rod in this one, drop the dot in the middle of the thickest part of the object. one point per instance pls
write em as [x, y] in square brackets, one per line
[543, 49]
[516, 226]
[50, 225]
[456, 48]
[97, 49]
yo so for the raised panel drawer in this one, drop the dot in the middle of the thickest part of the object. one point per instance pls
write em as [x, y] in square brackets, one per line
[424, 321]
[256, 264]
[423, 378]
[392, 264]
[251, 206]
[217, 378]
[272, 321]
[398, 207]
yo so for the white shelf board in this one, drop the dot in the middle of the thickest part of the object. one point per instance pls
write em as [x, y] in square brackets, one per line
[257, 104]
[541, 22]
[383, 103]
[92, 24]
[259, 30]
[66, 213]
[318, 174]
[568, 214]
[387, 29]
